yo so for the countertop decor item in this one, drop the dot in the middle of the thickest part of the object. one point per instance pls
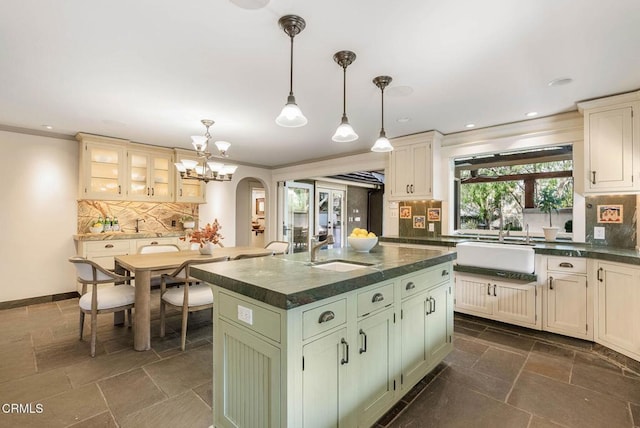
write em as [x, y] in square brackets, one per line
[549, 201]
[207, 237]
[362, 245]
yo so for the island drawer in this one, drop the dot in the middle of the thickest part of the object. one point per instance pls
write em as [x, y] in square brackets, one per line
[371, 300]
[567, 264]
[254, 317]
[417, 283]
[323, 318]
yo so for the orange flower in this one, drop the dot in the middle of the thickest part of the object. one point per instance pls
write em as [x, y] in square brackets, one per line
[210, 233]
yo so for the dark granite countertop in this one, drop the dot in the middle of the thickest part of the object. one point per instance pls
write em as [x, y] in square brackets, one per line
[567, 249]
[108, 236]
[289, 281]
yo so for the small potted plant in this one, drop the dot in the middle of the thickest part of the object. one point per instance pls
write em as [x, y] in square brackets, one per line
[188, 222]
[549, 201]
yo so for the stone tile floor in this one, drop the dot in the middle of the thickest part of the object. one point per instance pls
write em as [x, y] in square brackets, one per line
[497, 376]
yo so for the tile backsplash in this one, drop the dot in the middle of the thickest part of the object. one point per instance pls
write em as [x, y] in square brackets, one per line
[158, 217]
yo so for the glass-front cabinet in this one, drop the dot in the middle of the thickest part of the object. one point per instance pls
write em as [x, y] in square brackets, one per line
[188, 190]
[150, 174]
[102, 168]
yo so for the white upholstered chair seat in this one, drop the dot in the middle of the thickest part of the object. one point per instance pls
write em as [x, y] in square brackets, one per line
[110, 297]
[199, 294]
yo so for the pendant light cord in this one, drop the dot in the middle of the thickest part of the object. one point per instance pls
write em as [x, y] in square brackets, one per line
[344, 91]
[382, 116]
[291, 69]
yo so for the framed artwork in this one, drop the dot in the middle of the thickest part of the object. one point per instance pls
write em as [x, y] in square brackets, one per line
[260, 206]
[610, 214]
[433, 214]
[405, 211]
[418, 222]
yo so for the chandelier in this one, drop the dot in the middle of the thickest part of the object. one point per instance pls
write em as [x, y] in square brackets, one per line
[206, 168]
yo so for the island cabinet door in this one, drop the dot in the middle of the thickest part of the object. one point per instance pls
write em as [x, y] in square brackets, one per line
[413, 321]
[249, 394]
[375, 350]
[439, 322]
[325, 397]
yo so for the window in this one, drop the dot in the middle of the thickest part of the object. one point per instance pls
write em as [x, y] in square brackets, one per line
[503, 189]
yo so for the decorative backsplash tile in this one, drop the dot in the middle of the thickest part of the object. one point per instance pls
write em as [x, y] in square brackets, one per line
[158, 217]
[617, 214]
[415, 218]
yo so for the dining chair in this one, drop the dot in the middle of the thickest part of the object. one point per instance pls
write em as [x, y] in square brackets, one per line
[154, 249]
[278, 247]
[101, 298]
[191, 296]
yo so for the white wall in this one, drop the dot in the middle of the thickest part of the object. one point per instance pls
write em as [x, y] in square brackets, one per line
[38, 215]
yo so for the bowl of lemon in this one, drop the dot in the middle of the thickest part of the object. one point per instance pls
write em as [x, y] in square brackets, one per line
[361, 240]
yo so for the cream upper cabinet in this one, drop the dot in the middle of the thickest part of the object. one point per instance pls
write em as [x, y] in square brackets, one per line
[103, 168]
[414, 166]
[151, 174]
[612, 144]
[188, 190]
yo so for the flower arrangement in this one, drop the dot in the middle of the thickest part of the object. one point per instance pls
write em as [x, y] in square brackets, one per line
[210, 233]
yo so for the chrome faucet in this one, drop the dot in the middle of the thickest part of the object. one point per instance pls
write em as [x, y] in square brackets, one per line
[316, 244]
[138, 220]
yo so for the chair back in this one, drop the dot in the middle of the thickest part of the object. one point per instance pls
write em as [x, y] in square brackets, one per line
[158, 248]
[89, 272]
[182, 271]
[278, 247]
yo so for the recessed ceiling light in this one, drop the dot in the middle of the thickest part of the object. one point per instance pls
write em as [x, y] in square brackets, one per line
[531, 114]
[250, 4]
[403, 119]
[47, 126]
[470, 125]
[560, 81]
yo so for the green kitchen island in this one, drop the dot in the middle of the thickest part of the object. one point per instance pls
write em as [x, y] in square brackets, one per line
[331, 344]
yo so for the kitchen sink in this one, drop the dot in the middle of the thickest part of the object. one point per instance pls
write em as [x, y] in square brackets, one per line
[340, 266]
[510, 257]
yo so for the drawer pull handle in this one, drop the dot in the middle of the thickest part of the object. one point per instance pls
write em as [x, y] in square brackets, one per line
[566, 264]
[550, 283]
[410, 286]
[326, 317]
[364, 342]
[593, 180]
[108, 246]
[431, 299]
[600, 270]
[407, 188]
[378, 297]
[494, 290]
[154, 242]
[489, 289]
[445, 272]
[345, 359]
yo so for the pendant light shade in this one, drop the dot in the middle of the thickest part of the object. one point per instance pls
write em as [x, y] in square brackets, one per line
[382, 144]
[291, 116]
[344, 133]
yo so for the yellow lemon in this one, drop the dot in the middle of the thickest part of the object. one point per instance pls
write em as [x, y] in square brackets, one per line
[371, 235]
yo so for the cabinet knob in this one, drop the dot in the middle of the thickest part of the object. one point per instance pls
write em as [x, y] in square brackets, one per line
[326, 317]
[378, 297]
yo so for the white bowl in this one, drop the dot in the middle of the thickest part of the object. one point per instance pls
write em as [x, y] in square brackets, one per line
[96, 229]
[362, 245]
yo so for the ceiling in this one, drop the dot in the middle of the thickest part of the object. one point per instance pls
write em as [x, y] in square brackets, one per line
[149, 71]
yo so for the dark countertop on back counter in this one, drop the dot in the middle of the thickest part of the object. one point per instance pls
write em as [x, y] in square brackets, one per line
[567, 249]
[289, 281]
[108, 236]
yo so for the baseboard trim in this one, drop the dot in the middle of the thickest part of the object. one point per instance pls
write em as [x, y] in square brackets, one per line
[36, 300]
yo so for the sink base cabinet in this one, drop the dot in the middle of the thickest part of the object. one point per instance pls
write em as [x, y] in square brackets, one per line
[513, 302]
[338, 362]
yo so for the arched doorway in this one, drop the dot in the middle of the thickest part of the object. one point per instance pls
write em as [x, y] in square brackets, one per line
[251, 212]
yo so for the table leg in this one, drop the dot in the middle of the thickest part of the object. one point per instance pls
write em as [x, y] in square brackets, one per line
[118, 317]
[142, 311]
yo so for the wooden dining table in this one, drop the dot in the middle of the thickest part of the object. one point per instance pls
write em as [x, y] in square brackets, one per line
[143, 265]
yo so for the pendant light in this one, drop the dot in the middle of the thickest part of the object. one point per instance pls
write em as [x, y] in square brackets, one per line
[382, 144]
[291, 115]
[344, 133]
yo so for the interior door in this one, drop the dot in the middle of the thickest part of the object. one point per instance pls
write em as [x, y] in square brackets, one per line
[330, 215]
[296, 215]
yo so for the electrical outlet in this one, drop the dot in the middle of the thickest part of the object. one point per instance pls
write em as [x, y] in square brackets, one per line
[598, 232]
[245, 314]
[173, 223]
